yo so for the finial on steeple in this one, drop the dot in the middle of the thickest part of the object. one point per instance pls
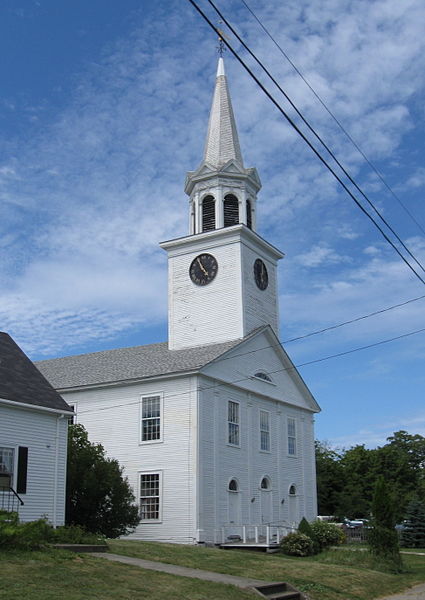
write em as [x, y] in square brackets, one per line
[221, 47]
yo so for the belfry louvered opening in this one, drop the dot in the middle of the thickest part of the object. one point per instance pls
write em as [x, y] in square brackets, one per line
[208, 213]
[248, 214]
[231, 210]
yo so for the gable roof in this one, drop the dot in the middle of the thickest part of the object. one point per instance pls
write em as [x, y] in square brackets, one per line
[127, 364]
[22, 382]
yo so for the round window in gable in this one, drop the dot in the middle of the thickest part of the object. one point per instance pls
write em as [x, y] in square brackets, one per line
[263, 376]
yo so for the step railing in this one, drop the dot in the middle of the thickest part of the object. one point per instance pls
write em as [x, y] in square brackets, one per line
[268, 533]
[10, 501]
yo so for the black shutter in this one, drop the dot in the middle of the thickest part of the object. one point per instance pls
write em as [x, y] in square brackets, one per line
[22, 470]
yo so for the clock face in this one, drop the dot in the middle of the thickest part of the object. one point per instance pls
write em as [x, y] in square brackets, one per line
[260, 274]
[203, 269]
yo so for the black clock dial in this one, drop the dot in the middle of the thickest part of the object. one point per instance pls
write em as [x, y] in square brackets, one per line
[260, 274]
[203, 269]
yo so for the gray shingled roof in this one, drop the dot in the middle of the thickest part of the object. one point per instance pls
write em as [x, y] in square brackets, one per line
[124, 364]
[22, 382]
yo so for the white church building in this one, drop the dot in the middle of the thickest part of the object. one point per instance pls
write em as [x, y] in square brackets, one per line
[214, 429]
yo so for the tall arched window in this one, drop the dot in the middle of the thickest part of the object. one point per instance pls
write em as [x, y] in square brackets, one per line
[266, 484]
[208, 213]
[231, 210]
[233, 486]
[248, 214]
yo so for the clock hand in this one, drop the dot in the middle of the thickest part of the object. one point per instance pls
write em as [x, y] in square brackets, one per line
[202, 266]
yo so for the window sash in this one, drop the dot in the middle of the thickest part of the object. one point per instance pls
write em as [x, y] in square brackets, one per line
[7, 460]
[151, 419]
[150, 496]
[264, 430]
[292, 436]
[233, 423]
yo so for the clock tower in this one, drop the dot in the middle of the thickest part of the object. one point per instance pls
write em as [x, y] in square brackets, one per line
[222, 278]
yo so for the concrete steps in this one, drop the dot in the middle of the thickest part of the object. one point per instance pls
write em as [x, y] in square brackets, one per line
[279, 591]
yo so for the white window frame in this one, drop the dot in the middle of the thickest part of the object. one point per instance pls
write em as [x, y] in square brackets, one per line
[159, 395]
[234, 423]
[160, 495]
[265, 431]
[291, 437]
[14, 461]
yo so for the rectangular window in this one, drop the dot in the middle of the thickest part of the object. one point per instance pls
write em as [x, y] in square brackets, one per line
[150, 496]
[71, 418]
[7, 463]
[151, 419]
[265, 430]
[233, 423]
[292, 437]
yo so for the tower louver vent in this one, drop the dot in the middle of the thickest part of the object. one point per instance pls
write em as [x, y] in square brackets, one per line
[208, 213]
[231, 210]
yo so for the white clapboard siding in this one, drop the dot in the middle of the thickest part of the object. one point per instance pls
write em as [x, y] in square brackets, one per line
[220, 462]
[45, 436]
[111, 416]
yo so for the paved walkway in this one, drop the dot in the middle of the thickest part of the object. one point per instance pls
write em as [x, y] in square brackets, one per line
[415, 593]
[152, 565]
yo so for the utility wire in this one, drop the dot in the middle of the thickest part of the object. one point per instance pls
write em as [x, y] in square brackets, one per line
[297, 129]
[285, 369]
[319, 138]
[322, 102]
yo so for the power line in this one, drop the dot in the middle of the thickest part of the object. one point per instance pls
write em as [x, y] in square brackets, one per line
[319, 138]
[285, 369]
[316, 152]
[369, 162]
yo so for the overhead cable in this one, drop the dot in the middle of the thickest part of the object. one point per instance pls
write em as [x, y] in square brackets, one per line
[328, 110]
[319, 138]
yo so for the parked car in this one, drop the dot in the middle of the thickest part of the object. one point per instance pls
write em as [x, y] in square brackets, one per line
[354, 523]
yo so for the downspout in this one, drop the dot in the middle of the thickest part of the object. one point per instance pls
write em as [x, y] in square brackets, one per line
[55, 483]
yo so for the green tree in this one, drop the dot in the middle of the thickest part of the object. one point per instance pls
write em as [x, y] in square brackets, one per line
[330, 479]
[383, 538]
[413, 536]
[99, 498]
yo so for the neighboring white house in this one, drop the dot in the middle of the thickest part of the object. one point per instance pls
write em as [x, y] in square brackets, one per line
[33, 439]
[214, 428]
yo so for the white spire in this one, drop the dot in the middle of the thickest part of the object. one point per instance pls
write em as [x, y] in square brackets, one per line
[222, 142]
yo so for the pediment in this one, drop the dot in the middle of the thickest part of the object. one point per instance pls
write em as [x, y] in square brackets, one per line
[262, 351]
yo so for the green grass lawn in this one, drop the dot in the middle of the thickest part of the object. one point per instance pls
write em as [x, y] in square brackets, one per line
[332, 575]
[54, 575]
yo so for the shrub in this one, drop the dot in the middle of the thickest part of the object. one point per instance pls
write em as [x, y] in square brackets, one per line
[24, 536]
[327, 534]
[297, 544]
[74, 534]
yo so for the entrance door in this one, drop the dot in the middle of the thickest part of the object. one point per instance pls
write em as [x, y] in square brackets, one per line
[266, 501]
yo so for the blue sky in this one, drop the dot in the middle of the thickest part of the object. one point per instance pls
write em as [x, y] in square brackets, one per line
[104, 109]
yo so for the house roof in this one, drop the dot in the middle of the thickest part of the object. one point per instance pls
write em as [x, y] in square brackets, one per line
[124, 364]
[22, 382]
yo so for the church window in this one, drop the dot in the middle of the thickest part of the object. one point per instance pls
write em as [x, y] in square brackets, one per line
[233, 423]
[292, 490]
[263, 376]
[150, 419]
[208, 213]
[231, 210]
[150, 496]
[248, 214]
[292, 436]
[233, 486]
[265, 484]
[264, 430]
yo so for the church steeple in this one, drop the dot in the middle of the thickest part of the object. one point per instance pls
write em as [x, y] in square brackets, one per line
[223, 276]
[222, 192]
[222, 143]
